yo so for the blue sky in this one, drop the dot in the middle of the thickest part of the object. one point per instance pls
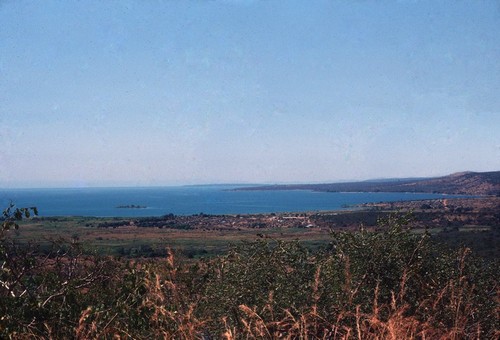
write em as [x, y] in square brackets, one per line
[98, 93]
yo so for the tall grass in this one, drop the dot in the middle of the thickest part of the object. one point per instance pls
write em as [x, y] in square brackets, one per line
[387, 284]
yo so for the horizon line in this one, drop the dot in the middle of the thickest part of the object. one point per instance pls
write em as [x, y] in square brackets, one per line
[125, 186]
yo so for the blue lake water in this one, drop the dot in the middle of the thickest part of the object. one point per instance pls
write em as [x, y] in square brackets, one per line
[188, 200]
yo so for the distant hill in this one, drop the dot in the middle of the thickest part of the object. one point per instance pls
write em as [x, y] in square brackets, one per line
[464, 183]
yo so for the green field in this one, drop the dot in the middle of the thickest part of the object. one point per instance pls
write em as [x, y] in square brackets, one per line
[127, 239]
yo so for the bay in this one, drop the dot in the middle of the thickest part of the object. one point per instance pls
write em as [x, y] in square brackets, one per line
[189, 200]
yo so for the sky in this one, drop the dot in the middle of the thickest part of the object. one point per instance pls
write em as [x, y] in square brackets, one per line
[153, 93]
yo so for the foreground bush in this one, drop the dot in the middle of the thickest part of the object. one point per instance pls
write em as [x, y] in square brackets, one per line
[366, 285]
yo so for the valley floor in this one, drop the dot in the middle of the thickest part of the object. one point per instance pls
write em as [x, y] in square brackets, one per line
[474, 222]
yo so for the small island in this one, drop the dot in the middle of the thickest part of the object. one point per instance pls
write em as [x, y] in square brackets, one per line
[131, 206]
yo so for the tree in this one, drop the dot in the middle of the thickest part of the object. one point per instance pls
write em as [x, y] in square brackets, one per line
[11, 215]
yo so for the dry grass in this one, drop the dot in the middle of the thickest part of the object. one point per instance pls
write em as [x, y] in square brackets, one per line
[166, 298]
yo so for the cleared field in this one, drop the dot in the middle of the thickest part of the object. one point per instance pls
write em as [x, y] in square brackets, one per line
[150, 241]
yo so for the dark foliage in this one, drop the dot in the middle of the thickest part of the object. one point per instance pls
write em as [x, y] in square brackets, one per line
[364, 284]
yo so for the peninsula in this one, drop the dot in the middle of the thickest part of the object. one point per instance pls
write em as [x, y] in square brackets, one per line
[462, 183]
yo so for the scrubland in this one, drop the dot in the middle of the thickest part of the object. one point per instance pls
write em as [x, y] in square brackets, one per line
[382, 283]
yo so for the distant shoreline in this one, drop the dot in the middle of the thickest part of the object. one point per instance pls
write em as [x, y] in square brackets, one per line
[465, 183]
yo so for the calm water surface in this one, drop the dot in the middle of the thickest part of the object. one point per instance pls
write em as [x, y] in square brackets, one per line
[188, 200]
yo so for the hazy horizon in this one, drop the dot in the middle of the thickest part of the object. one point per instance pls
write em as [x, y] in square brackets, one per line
[201, 184]
[139, 94]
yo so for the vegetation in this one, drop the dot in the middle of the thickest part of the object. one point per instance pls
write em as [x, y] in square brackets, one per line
[388, 283]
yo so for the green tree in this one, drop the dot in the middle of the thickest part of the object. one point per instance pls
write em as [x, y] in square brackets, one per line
[11, 215]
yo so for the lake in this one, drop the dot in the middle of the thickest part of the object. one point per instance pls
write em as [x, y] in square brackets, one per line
[188, 200]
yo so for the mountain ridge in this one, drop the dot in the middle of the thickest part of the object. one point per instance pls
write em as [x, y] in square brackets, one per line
[460, 183]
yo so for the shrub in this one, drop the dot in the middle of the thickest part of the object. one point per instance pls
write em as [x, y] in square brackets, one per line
[371, 285]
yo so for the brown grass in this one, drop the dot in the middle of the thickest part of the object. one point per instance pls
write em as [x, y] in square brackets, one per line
[161, 299]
